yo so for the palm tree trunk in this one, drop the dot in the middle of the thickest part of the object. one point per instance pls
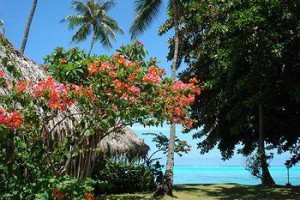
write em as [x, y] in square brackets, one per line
[92, 44]
[27, 29]
[266, 176]
[169, 175]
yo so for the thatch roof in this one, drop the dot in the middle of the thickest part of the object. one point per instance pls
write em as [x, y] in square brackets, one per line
[126, 143]
[119, 143]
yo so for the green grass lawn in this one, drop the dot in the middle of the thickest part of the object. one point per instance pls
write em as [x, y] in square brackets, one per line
[220, 191]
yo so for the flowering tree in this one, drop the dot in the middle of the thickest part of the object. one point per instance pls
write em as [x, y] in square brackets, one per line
[116, 92]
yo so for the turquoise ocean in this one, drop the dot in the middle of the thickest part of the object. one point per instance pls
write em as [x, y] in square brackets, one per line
[191, 174]
[194, 168]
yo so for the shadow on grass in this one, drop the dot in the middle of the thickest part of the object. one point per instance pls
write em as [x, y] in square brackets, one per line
[139, 196]
[236, 191]
[219, 191]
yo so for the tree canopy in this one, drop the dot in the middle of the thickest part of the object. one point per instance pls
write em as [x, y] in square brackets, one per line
[245, 54]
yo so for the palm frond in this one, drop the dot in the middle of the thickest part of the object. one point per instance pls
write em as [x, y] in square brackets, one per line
[104, 37]
[74, 20]
[112, 24]
[82, 33]
[170, 5]
[109, 31]
[146, 12]
[80, 6]
[107, 5]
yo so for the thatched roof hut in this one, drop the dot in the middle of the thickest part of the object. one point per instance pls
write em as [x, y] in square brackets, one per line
[126, 143]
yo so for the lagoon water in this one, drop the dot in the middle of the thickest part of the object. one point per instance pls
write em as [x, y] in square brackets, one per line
[194, 168]
[230, 174]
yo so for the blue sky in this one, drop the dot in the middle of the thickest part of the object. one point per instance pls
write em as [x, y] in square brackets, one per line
[47, 32]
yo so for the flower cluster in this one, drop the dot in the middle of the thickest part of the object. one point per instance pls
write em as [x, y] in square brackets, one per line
[21, 86]
[122, 78]
[181, 97]
[96, 67]
[126, 80]
[121, 87]
[57, 93]
[11, 120]
[179, 85]
[153, 75]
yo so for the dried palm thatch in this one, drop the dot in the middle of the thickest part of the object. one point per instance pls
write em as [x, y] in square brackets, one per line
[125, 143]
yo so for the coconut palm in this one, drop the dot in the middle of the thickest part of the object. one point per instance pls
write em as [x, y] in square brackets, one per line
[92, 19]
[28, 24]
[146, 11]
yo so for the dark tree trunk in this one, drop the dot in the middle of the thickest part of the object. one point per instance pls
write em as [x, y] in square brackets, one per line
[28, 24]
[166, 188]
[266, 176]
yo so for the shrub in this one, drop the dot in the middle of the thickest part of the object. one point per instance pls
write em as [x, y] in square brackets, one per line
[120, 176]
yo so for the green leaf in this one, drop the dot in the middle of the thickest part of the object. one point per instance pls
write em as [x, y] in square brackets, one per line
[88, 133]
[4, 61]
[3, 132]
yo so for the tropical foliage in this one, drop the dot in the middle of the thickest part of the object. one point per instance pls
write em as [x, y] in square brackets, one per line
[245, 54]
[116, 176]
[36, 159]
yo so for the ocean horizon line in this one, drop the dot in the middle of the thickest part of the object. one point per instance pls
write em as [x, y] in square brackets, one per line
[225, 165]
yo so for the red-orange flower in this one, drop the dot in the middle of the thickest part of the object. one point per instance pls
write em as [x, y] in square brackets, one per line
[87, 92]
[63, 61]
[15, 120]
[104, 66]
[193, 80]
[122, 60]
[1, 74]
[3, 117]
[135, 90]
[118, 86]
[57, 94]
[152, 75]
[131, 77]
[88, 196]
[21, 86]
[12, 120]
[93, 67]
[178, 111]
[179, 85]
[113, 74]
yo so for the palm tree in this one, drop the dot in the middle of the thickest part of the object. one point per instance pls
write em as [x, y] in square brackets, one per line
[92, 18]
[28, 24]
[146, 11]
